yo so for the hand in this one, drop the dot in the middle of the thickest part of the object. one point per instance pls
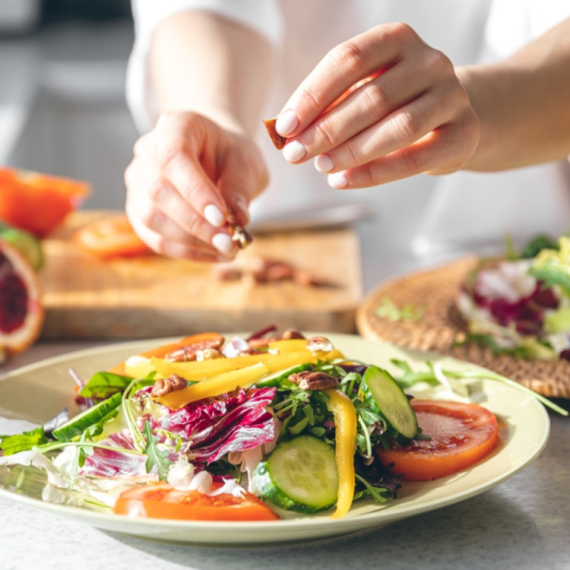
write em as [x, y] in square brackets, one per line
[186, 176]
[411, 116]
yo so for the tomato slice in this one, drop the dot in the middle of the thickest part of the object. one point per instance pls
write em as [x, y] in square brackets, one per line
[461, 435]
[109, 238]
[207, 338]
[161, 501]
[36, 202]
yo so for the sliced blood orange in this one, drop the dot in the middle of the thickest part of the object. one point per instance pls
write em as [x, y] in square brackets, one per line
[36, 202]
[21, 313]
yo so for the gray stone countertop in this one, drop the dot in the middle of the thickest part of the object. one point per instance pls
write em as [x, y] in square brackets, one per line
[524, 523]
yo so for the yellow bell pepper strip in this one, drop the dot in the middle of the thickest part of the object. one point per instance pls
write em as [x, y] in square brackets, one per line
[345, 422]
[208, 368]
[215, 386]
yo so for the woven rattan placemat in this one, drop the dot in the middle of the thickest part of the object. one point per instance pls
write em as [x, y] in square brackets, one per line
[436, 330]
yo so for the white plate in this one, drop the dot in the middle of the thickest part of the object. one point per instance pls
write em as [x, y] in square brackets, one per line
[33, 394]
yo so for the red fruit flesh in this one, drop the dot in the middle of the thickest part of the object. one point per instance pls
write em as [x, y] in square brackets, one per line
[21, 313]
[14, 303]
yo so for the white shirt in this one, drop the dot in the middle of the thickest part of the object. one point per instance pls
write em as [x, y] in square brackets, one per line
[460, 211]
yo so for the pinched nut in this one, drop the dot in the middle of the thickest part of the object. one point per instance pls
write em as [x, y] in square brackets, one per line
[164, 386]
[291, 334]
[319, 344]
[277, 140]
[238, 233]
[208, 354]
[314, 380]
[188, 353]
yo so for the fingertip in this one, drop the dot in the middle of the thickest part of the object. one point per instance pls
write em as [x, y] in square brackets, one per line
[214, 215]
[223, 243]
[294, 151]
[287, 122]
[338, 180]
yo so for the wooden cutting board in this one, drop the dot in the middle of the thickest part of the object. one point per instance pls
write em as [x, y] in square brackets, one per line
[154, 296]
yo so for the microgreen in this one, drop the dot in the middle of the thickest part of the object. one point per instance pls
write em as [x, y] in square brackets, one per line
[389, 310]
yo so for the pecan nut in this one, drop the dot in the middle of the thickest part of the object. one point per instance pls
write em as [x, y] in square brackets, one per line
[314, 380]
[319, 344]
[188, 353]
[164, 386]
[208, 354]
[291, 334]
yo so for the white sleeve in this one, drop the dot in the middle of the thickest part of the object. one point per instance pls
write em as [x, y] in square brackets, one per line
[263, 16]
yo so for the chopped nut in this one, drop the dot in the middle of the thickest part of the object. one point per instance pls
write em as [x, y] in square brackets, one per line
[308, 279]
[229, 273]
[272, 270]
[291, 334]
[320, 344]
[164, 386]
[314, 380]
[208, 354]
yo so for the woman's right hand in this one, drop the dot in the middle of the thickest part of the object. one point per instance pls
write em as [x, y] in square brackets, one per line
[187, 175]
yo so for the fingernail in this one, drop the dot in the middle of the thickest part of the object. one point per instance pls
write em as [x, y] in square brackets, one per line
[286, 122]
[337, 180]
[324, 163]
[243, 206]
[294, 151]
[214, 215]
[223, 243]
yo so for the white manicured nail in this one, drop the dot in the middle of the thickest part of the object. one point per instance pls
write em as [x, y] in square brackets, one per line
[214, 215]
[294, 151]
[223, 243]
[337, 180]
[286, 122]
[324, 163]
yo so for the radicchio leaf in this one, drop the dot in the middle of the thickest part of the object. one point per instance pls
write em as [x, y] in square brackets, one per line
[214, 427]
[107, 463]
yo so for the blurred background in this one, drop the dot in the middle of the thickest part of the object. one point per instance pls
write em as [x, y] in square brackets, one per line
[62, 91]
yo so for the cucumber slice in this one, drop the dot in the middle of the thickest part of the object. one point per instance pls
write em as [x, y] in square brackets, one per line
[388, 399]
[300, 475]
[79, 423]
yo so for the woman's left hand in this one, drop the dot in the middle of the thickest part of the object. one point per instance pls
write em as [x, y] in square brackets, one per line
[412, 115]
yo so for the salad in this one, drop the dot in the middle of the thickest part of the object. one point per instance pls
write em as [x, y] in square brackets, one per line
[520, 305]
[261, 428]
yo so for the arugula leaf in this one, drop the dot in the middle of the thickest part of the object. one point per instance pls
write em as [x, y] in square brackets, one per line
[389, 310]
[155, 457]
[377, 493]
[11, 444]
[104, 384]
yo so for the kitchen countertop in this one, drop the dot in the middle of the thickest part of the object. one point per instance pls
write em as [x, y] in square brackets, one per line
[524, 523]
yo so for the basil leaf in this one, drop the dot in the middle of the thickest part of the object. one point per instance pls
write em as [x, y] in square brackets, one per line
[104, 384]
